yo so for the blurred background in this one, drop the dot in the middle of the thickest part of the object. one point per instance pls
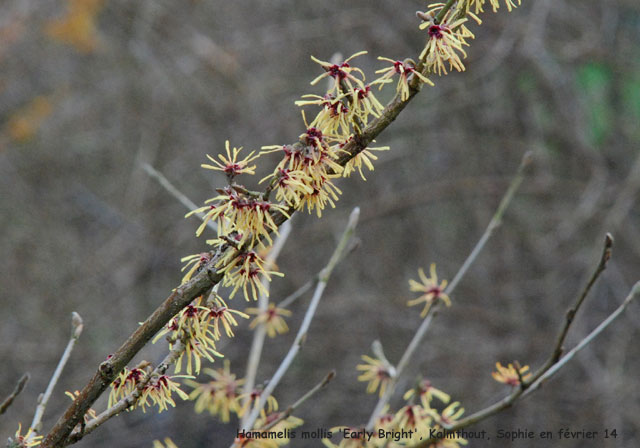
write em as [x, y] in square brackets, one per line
[92, 89]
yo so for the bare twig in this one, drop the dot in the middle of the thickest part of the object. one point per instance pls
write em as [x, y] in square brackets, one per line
[633, 294]
[130, 400]
[43, 400]
[109, 369]
[291, 298]
[287, 412]
[522, 392]
[287, 301]
[205, 279]
[173, 191]
[399, 369]
[571, 313]
[263, 303]
[306, 322]
[495, 222]
[16, 391]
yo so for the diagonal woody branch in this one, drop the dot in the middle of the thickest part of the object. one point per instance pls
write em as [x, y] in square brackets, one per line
[108, 370]
[184, 294]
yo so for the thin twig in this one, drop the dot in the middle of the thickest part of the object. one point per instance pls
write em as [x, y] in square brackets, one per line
[291, 298]
[130, 400]
[287, 412]
[635, 292]
[571, 313]
[404, 361]
[109, 369]
[43, 400]
[263, 304]
[203, 281]
[306, 322]
[520, 392]
[16, 391]
[287, 301]
[173, 191]
[495, 222]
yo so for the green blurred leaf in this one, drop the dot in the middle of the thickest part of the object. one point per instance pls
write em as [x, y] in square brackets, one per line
[594, 81]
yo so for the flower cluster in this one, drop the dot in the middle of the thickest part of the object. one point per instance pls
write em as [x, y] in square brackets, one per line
[405, 71]
[158, 390]
[24, 441]
[145, 389]
[245, 269]
[448, 34]
[197, 328]
[220, 396]
[272, 318]
[420, 417]
[334, 144]
[445, 43]
[238, 211]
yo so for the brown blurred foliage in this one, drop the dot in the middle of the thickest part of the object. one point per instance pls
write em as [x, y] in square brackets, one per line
[85, 229]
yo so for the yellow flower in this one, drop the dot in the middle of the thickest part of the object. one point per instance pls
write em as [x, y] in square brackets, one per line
[335, 115]
[125, 383]
[495, 4]
[192, 326]
[365, 158]
[291, 185]
[236, 210]
[430, 289]
[341, 72]
[271, 318]
[406, 70]
[413, 417]
[168, 443]
[445, 45]
[450, 414]
[194, 351]
[364, 103]
[158, 391]
[251, 399]
[24, 441]
[314, 157]
[194, 263]
[376, 372]
[246, 272]
[509, 375]
[426, 392]
[230, 165]
[219, 396]
[220, 312]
